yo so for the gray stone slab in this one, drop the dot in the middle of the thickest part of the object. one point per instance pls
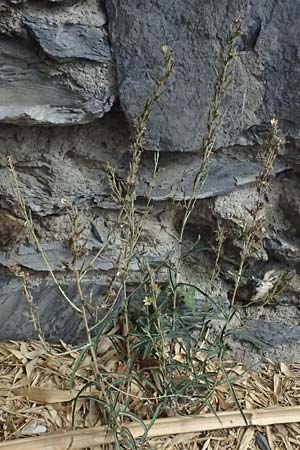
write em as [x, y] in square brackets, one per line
[6, 4]
[57, 319]
[270, 333]
[282, 249]
[67, 41]
[58, 255]
[45, 183]
[60, 258]
[33, 92]
[64, 2]
[195, 30]
[97, 143]
[176, 176]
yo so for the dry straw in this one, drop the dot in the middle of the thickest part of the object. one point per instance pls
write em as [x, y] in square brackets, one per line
[33, 392]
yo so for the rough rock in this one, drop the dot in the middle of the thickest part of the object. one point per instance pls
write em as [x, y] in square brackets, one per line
[282, 249]
[66, 2]
[32, 92]
[6, 4]
[16, 2]
[48, 75]
[58, 255]
[103, 141]
[48, 162]
[58, 321]
[262, 332]
[195, 31]
[45, 183]
[60, 258]
[88, 12]
[68, 41]
[87, 184]
[177, 173]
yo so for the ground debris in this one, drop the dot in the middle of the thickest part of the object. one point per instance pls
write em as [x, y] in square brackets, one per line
[35, 398]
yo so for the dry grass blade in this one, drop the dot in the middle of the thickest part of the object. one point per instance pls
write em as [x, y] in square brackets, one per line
[246, 439]
[179, 439]
[45, 395]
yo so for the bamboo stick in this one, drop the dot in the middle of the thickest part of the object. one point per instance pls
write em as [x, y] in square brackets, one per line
[91, 437]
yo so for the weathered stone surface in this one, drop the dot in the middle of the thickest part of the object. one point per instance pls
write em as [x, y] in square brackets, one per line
[58, 255]
[32, 92]
[56, 64]
[60, 258]
[44, 185]
[176, 176]
[8, 3]
[282, 249]
[270, 333]
[58, 320]
[68, 41]
[196, 30]
[87, 12]
[50, 305]
[46, 182]
[66, 2]
[95, 144]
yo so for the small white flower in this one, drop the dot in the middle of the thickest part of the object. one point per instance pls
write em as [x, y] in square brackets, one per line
[147, 301]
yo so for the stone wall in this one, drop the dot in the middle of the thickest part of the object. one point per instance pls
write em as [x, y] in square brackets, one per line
[74, 75]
